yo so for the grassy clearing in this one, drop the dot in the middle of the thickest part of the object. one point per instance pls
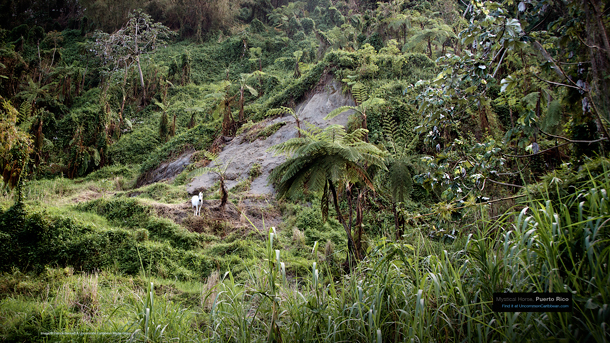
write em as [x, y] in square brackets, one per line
[95, 262]
[416, 290]
[95, 304]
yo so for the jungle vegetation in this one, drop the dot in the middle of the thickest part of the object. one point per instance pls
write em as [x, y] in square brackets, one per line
[475, 162]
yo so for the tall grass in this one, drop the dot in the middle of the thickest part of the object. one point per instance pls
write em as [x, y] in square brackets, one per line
[401, 293]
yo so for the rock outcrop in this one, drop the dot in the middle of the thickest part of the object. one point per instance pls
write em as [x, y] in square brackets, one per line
[242, 154]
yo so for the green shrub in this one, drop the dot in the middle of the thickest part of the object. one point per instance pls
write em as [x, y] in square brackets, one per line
[300, 36]
[161, 192]
[294, 25]
[568, 179]
[119, 211]
[130, 213]
[38, 239]
[35, 239]
[335, 16]
[255, 171]
[141, 235]
[166, 230]
[112, 171]
[308, 25]
[197, 138]
[134, 147]
[309, 220]
[297, 89]
[376, 41]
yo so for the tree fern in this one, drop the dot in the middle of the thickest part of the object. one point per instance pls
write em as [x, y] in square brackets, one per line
[322, 158]
[285, 110]
[220, 171]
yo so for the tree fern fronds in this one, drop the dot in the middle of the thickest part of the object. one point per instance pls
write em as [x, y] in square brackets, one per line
[317, 179]
[338, 111]
[324, 156]
[25, 110]
[353, 167]
[311, 149]
[279, 111]
[553, 116]
[359, 92]
[374, 101]
[399, 180]
[209, 155]
[294, 168]
[311, 130]
[395, 135]
[289, 146]
[356, 136]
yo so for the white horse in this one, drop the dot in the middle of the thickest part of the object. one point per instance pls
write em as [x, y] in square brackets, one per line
[197, 202]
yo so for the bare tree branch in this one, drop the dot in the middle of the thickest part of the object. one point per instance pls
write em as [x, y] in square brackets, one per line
[571, 140]
[504, 183]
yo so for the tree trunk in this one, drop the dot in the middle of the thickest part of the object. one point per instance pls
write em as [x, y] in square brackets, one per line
[123, 103]
[84, 75]
[348, 193]
[352, 255]
[599, 51]
[139, 67]
[227, 120]
[192, 122]
[359, 219]
[141, 80]
[365, 126]
[172, 131]
[39, 141]
[397, 224]
[224, 196]
[241, 105]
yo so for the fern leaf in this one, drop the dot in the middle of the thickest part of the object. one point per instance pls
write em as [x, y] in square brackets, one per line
[338, 111]
[279, 111]
[252, 91]
[399, 180]
[553, 116]
[25, 110]
[359, 92]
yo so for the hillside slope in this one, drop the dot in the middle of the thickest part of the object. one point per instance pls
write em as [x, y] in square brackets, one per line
[242, 155]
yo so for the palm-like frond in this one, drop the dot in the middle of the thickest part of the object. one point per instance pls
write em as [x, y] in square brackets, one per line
[252, 91]
[359, 92]
[338, 111]
[279, 111]
[330, 154]
[371, 102]
[399, 179]
[216, 168]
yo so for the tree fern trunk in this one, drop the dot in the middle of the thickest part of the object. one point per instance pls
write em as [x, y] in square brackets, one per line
[360, 218]
[396, 226]
[352, 252]
[224, 196]
[241, 105]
